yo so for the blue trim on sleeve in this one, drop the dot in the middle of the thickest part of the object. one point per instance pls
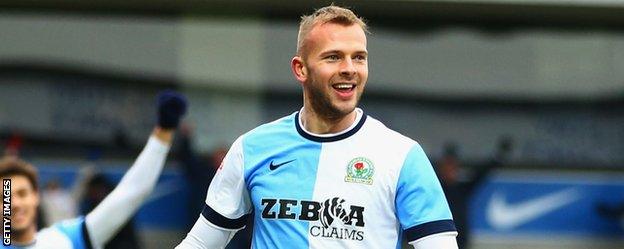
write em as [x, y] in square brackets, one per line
[429, 228]
[216, 218]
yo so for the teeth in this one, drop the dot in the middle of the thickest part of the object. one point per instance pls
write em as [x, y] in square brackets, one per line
[343, 86]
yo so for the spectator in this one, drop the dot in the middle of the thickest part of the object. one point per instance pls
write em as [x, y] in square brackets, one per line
[459, 187]
[613, 212]
[97, 188]
[57, 203]
[199, 171]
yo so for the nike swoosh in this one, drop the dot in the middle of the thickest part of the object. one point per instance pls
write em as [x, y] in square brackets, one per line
[275, 166]
[504, 216]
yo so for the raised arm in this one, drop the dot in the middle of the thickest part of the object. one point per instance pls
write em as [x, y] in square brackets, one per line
[139, 181]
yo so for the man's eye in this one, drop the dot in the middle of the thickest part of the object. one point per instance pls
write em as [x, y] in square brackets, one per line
[333, 57]
[360, 57]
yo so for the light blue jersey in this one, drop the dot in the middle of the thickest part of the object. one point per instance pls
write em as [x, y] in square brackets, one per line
[70, 234]
[367, 187]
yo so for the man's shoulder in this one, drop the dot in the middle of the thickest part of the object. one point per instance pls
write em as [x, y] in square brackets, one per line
[379, 130]
[52, 237]
[283, 124]
[272, 131]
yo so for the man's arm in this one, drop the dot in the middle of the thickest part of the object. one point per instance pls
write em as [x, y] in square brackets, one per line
[205, 235]
[116, 209]
[436, 241]
[421, 207]
[227, 205]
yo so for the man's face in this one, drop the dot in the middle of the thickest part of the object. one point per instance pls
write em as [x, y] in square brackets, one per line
[24, 202]
[335, 66]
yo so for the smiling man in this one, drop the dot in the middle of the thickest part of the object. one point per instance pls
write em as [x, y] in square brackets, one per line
[328, 175]
[24, 197]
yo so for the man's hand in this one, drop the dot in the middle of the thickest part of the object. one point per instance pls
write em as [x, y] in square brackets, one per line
[171, 107]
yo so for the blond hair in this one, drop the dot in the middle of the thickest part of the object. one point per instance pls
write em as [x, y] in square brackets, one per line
[327, 14]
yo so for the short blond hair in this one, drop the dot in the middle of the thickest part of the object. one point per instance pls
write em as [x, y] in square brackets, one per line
[327, 14]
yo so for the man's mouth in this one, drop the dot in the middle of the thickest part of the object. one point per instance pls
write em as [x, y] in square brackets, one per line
[18, 215]
[344, 87]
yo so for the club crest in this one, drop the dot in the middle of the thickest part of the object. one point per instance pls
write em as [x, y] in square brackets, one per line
[360, 170]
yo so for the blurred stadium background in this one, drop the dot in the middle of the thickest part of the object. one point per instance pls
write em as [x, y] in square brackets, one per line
[77, 81]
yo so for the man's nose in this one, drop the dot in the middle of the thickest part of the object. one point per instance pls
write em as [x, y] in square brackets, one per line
[347, 68]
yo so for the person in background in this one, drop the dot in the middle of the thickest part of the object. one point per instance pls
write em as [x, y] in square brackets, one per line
[57, 203]
[199, 171]
[459, 186]
[13, 145]
[98, 187]
[612, 211]
[101, 224]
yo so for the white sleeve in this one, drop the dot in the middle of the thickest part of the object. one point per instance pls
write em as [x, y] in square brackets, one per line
[436, 241]
[205, 235]
[227, 200]
[135, 186]
[227, 205]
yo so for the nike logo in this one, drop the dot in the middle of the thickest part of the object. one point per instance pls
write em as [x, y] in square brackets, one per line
[275, 166]
[504, 216]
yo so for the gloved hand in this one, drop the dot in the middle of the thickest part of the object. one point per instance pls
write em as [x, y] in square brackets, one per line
[171, 107]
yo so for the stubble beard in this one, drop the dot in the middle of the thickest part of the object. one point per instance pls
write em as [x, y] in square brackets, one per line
[322, 105]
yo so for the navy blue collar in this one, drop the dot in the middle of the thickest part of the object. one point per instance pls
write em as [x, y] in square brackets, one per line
[338, 137]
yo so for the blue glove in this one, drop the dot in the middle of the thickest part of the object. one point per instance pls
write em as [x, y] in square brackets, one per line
[171, 108]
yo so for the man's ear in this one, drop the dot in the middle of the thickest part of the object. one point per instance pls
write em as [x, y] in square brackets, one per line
[298, 69]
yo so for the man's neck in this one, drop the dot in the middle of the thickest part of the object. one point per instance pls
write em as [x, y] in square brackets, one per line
[24, 237]
[315, 123]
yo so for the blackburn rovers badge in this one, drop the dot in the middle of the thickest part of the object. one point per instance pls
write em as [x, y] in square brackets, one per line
[360, 170]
